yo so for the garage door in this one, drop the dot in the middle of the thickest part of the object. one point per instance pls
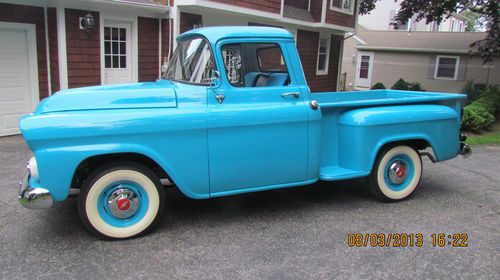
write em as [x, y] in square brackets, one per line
[18, 74]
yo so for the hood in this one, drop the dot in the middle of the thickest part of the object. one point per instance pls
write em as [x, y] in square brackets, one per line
[158, 94]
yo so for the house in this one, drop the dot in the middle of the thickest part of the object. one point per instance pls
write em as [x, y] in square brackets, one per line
[49, 45]
[382, 18]
[439, 61]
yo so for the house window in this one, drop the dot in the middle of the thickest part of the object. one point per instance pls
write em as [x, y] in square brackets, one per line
[446, 67]
[461, 26]
[115, 47]
[345, 6]
[452, 25]
[434, 27]
[323, 56]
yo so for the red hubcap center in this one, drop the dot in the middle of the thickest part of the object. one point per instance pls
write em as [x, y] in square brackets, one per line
[400, 172]
[123, 204]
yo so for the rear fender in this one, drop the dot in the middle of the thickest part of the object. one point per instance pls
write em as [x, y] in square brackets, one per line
[363, 132]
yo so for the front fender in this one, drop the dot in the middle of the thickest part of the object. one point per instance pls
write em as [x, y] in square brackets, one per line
[58, 165]
[363, 132]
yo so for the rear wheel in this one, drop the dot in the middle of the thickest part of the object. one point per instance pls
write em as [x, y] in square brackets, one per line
[121, 200]
[396, 173]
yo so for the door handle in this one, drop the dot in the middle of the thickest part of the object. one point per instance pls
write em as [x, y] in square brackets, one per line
[294, 94]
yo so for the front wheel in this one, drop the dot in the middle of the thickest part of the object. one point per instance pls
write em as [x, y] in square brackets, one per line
[396, 173]
[121, 200]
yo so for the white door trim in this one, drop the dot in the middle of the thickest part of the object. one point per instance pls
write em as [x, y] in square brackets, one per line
[370, 70]
[32, 59]
[61, 47]
[134, 44]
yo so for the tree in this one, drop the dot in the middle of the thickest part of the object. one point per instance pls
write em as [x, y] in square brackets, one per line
[474, 22]
[438, 10]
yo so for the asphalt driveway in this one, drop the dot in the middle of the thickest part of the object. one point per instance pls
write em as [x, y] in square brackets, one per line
[298, 233]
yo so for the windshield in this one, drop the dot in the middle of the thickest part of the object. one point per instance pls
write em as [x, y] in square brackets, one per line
[192, 62]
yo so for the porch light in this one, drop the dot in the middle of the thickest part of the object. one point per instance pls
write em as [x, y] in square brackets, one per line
[87, 22]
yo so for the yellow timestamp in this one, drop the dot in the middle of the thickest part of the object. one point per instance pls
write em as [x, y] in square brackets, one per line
[406, 240]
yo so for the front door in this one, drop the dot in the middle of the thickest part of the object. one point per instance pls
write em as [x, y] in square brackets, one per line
[117, 52]
[257, 135]
[364, 70]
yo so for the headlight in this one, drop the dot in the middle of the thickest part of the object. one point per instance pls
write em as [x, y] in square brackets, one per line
[33, 167]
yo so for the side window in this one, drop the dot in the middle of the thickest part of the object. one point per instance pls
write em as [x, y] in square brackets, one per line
[255, 65]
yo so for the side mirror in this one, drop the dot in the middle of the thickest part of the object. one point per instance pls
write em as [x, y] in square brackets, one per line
[215, 79]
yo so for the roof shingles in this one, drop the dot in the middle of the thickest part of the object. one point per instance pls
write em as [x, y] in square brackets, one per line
[451, 41]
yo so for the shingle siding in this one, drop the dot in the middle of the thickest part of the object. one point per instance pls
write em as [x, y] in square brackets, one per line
[83, 50]
[53, 49]
[339, 18]
[271, 6]
[307, 45]
[148, 35]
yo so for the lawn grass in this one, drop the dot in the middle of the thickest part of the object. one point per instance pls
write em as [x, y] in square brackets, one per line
[490, 138]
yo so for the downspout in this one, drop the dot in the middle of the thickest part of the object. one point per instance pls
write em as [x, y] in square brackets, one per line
[159, 48]
[170, 38]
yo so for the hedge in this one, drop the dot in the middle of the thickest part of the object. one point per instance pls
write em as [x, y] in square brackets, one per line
[378, 85]
[404, 85]
[480, 114]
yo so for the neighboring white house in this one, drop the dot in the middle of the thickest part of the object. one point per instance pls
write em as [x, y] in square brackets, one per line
[439, 61]
[383, 15]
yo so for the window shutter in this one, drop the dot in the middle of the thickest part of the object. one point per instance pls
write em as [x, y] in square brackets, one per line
[462, 68]
[431, 67]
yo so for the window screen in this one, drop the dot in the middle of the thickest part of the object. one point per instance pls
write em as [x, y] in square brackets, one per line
[446, 67]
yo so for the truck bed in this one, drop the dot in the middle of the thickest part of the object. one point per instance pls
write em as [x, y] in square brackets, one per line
[338, 140]
[379, 97]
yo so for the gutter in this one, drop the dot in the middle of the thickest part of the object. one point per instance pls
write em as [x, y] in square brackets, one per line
[417, 50]
[133, 4]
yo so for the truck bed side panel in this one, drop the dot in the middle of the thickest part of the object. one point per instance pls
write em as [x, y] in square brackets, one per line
[362, 132]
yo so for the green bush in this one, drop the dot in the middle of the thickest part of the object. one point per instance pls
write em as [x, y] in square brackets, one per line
[378, 85]
[415, 87]
[471, 91]
[490, 98]
[400, 85]
[480, 114]
[476, 118]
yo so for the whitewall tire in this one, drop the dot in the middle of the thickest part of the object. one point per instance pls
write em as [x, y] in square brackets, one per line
[396, 173]
[121, 200]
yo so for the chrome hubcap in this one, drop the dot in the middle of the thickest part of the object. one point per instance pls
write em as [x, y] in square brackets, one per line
[123, 203]
[398, 172]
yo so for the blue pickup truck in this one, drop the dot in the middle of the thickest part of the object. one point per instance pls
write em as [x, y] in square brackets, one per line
[232, 114]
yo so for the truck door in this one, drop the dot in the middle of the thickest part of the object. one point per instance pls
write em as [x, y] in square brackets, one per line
[257, 124]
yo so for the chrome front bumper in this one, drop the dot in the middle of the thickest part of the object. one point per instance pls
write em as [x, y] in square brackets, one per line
[33, 198]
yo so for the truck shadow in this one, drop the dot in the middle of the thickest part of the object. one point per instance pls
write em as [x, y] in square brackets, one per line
[340, 195]
[183, 214]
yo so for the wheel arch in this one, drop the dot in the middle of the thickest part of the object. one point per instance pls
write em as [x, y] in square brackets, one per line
[417, 142]
[159, 166]
[86, 166]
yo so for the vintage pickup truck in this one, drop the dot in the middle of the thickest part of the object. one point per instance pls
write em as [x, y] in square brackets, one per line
[232, 114]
